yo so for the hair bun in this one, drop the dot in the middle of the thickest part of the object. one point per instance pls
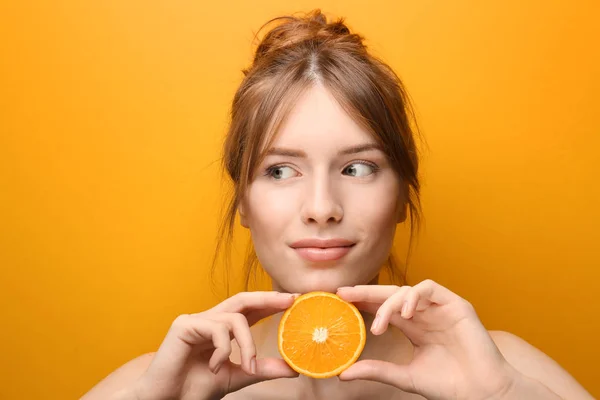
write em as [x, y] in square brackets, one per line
[311, 29]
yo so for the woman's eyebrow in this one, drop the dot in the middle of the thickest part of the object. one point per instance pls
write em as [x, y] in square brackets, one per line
[360, 148]
[280, 151]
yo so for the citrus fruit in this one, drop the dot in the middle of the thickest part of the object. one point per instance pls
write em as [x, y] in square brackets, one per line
[321, 335]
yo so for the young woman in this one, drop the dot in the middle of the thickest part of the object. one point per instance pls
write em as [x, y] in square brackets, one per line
[323, 159]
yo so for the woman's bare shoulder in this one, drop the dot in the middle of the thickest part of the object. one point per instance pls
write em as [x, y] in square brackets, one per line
[535, 364]
[120, 378]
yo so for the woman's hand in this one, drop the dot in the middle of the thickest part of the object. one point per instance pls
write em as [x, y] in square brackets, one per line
[454, 356]
[193, 360]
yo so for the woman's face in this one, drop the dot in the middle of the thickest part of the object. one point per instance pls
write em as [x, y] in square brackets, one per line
[324, 204]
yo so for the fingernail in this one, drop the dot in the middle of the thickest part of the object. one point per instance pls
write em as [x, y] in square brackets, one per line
[344, 288]
[217, 369]
[375, 325]
[404, 312]
[344, 377]
[253, 365]
[295, 296]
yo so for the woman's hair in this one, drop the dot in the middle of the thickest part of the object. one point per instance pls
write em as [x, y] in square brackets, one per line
[295, 54]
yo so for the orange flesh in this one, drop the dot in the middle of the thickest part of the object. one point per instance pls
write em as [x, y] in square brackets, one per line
[321, 335]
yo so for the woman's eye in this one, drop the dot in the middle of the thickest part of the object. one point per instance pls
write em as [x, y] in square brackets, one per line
[281, 172]
[359, 169]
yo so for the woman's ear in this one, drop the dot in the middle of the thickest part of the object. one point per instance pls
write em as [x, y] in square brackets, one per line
[402, 203]
[402, 212]
[243, 217]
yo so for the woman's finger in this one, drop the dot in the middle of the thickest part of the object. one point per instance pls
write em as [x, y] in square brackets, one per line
[395, 318]
[188, 331]
[248, 301]
[434, 292]
[422, 296]
[222, 342]
[389, 307]
[414, 301]
[380, 371]
[427, 289]
[367, 293]
[238, 325]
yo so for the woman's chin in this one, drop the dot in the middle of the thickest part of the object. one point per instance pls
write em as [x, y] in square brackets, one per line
[319, 288]
[304, 285]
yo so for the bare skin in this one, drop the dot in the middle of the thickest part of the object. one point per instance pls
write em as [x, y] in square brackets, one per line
[390, 346]
[326, 179]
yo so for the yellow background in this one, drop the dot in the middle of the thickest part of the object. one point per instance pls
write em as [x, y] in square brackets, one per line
[112, 116]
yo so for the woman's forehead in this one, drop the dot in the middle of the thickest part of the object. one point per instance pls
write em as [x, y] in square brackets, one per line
[317, 120]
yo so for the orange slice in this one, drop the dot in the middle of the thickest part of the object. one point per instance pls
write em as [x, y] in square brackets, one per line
[321, 335]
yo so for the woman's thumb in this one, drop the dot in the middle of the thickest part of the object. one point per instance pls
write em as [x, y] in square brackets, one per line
[266, 369]
[380, 371]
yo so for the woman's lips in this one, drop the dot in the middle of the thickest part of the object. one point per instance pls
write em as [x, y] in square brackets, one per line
[316, 249]
[322, 254]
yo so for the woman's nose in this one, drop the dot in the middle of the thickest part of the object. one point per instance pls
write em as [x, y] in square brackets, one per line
[321, 204]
